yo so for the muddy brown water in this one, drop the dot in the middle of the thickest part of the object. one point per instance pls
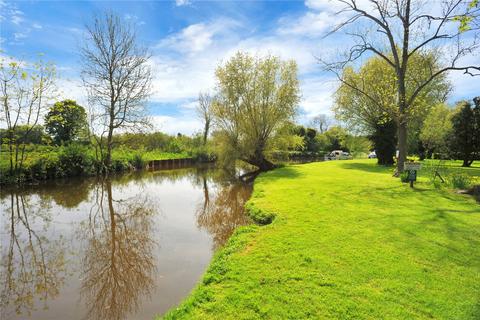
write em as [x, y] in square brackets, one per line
[130, 247]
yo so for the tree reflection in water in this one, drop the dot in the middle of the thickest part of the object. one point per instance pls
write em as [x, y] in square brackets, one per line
[118, 265]
[223, 211]
[32, 265]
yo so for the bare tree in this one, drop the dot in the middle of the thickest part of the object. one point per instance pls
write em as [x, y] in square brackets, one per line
[26, 89]
[321, 122]
[397, 29]
[204, 113]
[117, 76]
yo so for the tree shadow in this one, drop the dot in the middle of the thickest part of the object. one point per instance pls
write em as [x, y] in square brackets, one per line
[366, 167]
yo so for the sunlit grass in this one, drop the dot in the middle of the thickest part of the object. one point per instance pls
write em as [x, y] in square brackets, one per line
[349, 241]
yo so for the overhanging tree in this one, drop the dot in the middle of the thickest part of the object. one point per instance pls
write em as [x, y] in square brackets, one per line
[395, 30]
[256, 100]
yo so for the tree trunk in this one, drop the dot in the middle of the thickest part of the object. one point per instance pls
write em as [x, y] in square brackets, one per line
[262, 164]
[402, 146]
[467, 162]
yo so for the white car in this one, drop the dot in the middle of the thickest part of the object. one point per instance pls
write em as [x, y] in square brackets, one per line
[372, 155]
[337, 155]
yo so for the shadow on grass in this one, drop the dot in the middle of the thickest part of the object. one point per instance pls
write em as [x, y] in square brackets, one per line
[367, 167]
[285, 172]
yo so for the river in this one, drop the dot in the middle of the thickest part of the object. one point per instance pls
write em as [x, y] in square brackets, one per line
[128, 247]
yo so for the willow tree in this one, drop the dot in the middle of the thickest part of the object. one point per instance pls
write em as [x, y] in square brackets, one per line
[117, 76]
[257, 98]
[367, 99]
[395, 30]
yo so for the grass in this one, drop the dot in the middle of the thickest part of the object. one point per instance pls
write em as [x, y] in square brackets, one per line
[348, 241]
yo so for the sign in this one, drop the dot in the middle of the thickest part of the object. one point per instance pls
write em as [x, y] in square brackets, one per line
[412, 166]
[412, 175]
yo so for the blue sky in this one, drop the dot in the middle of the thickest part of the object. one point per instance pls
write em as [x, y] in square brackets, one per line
[188, 39]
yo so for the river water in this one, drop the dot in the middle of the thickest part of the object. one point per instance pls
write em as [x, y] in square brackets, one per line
[128, 247]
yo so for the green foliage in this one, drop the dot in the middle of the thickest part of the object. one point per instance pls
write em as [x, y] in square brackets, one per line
[256, 99]
[24, 134]
[460, 180]
[260, 216]
[384, 139]
[436, 129]
[346, 232]
[75, 160]
[66, 121]
[464, 140]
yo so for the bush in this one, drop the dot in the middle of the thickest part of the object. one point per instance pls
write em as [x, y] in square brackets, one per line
[404, 176]
[137, 161]
[74, 160]
[460, 181]
[257, 215]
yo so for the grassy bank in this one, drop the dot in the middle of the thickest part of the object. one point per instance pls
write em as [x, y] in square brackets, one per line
[48, 162]
[348, 241]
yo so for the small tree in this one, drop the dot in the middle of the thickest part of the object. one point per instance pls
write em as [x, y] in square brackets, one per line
[26, 88]
[465, 134]
[66, 121]
[204, 112]
[256, 100]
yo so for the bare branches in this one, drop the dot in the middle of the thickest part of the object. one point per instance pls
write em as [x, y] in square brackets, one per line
[117, 76]
[397, 30]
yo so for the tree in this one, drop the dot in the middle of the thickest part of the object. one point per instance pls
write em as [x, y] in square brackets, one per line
[370, 114]
[117, 76]
[26, 90]
[256, 100]
[397, 30]
[322, 122]
[336, 138]
[204, 113]
[466, 133]
[66, 121]
[436, 129]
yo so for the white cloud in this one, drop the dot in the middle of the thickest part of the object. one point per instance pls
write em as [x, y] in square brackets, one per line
[19, 36]
[37, 26]
[174, 125]
[310, 24]
[180, 3]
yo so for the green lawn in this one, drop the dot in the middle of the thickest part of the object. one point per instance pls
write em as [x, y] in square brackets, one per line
[348, 242]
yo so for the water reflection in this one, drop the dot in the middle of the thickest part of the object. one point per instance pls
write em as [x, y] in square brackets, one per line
[32, 263]
[129, 247]
[118, 263]
[221, 214]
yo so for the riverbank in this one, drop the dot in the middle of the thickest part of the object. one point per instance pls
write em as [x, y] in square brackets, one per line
[50, 162]
[347, 241]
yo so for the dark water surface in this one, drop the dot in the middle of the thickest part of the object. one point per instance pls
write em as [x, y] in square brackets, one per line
[130, 247]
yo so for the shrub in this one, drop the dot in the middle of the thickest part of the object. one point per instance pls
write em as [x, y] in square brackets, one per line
[257, 215]
[74, 160]
[404, 176]
[137, 161]
[460, 181]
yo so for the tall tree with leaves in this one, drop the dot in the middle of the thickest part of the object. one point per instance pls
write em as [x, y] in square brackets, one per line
[396, 30]
[117, 76]
[66, 121]
[256, 100]
[466, 133]
[373, 115]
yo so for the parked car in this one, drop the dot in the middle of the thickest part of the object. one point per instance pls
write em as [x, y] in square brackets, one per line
[338, 155]
[372, 155]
